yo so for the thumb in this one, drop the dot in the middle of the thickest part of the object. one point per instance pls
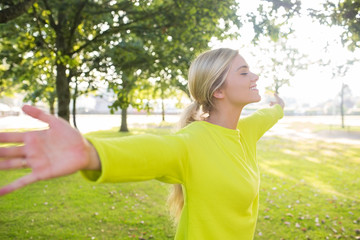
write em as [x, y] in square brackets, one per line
[272, 103]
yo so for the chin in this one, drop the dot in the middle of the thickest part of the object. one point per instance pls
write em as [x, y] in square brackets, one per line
[258, 99]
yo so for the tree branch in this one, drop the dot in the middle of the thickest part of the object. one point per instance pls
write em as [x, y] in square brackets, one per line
[51, 19]
[128, 26]
[15, 11]
[42, 39]
[99, 36]
[77, 20]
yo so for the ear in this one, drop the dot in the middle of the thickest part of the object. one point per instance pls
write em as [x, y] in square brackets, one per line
[219, 93]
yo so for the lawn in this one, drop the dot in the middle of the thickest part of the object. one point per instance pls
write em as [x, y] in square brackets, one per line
[309, 190]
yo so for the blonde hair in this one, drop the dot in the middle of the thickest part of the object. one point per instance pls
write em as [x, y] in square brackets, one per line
[207, 73]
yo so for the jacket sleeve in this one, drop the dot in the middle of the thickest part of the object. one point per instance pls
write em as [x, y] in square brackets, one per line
[255, 125]
[139, 158]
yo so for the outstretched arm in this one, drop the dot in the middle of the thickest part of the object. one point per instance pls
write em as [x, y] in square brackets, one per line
[255, 125]
[57, 151]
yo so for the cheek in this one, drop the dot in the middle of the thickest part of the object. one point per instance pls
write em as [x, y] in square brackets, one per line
[241, 86]
[239, 91]
[238, 88]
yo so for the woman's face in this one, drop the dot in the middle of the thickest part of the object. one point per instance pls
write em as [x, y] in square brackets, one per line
[240, 84]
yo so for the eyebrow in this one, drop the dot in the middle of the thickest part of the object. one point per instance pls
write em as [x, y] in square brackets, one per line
[244, 66]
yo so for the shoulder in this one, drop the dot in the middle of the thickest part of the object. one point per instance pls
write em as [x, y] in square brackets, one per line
[255, 125]
[192, 129]
[275, 112]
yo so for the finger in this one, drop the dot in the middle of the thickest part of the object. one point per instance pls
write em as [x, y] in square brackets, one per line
[13, 163]
[11, 137]
[7, 152]
[37, 113]
[19, 183]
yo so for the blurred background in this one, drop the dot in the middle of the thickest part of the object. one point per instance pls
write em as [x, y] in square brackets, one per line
[113, 68]
[131, 59]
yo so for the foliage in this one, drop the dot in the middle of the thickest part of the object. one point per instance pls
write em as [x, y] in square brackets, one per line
[11, 51]
[282, 63]
[342, 13]
[164, 49]
[77, 33]
[71, 29]
[272, 19]
[12, 9]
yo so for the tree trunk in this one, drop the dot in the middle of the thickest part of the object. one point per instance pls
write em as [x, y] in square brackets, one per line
[342, 106]
[63, 92]
[62, 82]
[124, 127]
[277, 87]
[52, 98]
[52, 108]
[74, 104]
[163, 110]
[162, 103]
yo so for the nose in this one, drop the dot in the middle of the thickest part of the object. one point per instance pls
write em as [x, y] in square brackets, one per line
[255, 77]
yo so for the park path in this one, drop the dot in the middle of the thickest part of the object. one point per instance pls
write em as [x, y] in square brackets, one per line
[284, 128]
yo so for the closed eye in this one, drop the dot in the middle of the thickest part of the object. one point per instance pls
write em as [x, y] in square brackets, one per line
[244, 74]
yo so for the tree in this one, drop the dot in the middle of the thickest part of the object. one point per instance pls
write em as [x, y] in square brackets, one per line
[272, 18]
[38, 79]
[282, 64]
[70, 28]
[169, 71]
[127, 59]
[30, 67]
[343, 13]
[11, 55]
[340, 72]
[164, 89]
[170, 41]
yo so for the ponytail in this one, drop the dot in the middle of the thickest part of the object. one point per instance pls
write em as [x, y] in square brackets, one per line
[176, 198]
[190, 114]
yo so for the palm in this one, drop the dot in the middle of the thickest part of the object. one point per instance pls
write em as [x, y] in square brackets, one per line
[57, 151]
[54, 152]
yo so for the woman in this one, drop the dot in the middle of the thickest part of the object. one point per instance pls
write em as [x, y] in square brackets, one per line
[212, 159]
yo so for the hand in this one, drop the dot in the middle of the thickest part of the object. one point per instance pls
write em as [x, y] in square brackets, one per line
[57, 151]
[278, 100]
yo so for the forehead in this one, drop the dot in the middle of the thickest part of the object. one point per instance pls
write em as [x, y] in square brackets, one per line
[238, 62]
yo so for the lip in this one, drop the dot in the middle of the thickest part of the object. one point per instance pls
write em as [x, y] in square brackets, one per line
[253, 86]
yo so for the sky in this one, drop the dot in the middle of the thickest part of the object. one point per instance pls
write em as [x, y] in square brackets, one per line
[315, 84]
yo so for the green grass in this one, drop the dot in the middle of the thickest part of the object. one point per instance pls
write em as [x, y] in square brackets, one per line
[308, 190]
[73, 208]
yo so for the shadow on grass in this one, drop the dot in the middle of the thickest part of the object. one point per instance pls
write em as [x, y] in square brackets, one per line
[309, 189]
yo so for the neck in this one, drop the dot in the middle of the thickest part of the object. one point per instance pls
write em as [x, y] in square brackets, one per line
[225, 117]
